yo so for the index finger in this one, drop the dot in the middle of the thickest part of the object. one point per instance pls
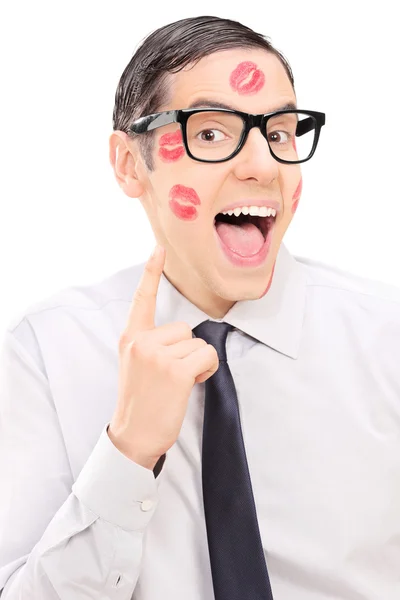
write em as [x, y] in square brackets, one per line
[143, 307]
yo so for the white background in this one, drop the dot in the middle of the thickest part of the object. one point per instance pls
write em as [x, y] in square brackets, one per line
[63, 218]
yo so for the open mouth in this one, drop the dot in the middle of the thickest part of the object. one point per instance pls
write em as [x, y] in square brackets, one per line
[244, 240]
[264, 224]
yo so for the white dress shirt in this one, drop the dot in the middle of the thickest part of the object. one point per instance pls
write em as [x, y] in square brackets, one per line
[316, 367]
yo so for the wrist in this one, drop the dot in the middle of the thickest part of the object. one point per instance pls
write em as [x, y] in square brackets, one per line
[134, 454]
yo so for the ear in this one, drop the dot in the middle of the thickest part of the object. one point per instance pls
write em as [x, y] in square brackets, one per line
[126, 161]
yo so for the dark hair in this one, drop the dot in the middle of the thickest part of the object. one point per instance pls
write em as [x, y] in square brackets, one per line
[144, 85]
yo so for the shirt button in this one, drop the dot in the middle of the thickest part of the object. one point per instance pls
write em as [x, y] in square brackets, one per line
[147, 505]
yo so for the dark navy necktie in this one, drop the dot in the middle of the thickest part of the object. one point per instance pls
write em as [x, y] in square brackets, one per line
[238, 566]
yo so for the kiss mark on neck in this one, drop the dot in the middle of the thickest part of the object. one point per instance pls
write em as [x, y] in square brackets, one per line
[296, 196]
[171, 139]
[243, 71]
[270, 281]
[179, 193]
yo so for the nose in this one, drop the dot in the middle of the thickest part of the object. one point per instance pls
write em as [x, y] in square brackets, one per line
[255, 160]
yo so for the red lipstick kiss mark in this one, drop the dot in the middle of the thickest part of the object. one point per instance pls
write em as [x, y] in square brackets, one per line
[171, 139]
[296, 196]
[182, 193]
[240, 74]
[270, 281]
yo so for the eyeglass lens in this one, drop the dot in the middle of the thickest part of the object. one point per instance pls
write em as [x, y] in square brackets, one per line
[215, 135]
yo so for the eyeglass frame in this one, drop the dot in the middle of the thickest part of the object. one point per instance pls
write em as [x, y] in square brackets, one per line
[181, 116]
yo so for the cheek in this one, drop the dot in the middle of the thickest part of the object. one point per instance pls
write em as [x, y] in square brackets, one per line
[296, 196]
[177, 196]
[247, 79]
[171, 147]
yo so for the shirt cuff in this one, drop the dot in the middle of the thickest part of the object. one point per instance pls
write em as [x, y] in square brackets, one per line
[117, 489]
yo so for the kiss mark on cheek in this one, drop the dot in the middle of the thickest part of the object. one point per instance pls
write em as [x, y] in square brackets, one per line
[270, 281]
[241, 73]
[171, 139]
[180, 193]
[296, 196]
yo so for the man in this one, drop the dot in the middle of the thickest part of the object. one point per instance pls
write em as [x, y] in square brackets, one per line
[123, 469]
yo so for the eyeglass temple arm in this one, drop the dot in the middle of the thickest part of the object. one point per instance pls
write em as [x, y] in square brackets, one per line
[305, 126]
[153, 121]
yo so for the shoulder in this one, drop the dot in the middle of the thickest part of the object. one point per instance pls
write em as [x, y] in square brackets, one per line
[83, 300]
[329, 281]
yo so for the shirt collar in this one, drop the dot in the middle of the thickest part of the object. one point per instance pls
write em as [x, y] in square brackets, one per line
[275, 320]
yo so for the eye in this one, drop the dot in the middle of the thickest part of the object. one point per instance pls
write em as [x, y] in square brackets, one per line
[278, 134]
[210, 135]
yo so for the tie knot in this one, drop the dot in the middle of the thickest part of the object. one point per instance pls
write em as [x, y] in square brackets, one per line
[215, 334]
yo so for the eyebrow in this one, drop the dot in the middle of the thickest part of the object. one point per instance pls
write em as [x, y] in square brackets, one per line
[206, 103]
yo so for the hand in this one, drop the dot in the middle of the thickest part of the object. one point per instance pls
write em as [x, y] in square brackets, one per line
[158, 367]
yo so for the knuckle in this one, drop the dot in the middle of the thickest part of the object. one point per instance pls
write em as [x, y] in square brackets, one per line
[149, 267]
[185, 328]
[123, 340]
[211, 350]
[136, 348]
[139, 295]
[129, 343]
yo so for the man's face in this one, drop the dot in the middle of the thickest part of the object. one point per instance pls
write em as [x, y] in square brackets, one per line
[182, 196]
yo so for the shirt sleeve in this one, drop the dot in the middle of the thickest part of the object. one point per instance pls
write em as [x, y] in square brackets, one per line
[59, 538]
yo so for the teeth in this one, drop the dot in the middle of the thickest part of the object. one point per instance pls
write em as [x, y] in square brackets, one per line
[256, 211]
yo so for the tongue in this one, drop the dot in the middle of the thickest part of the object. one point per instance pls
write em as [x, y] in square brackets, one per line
[245, 239]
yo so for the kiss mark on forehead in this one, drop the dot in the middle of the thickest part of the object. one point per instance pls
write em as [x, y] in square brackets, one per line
[296, 196]
[180, 193]
[243, 72]
[171, 139]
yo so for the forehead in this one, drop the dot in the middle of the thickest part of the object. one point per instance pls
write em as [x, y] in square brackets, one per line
[215, 77]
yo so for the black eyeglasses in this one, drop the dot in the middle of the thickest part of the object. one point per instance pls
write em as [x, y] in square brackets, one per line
[292, 135]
